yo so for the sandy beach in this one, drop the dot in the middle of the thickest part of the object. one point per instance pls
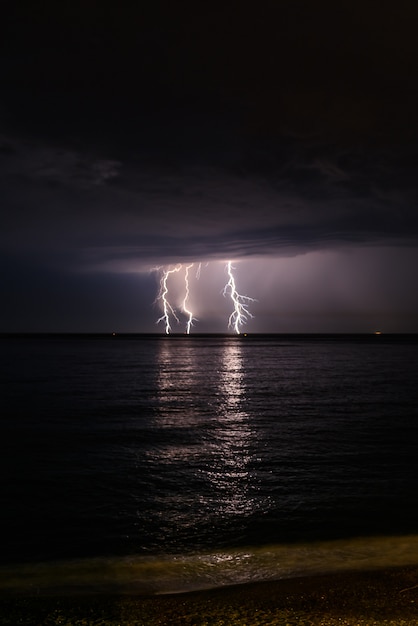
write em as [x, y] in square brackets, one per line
[388, 596]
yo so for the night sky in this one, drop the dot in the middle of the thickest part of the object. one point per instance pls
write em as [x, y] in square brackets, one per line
[280, 135]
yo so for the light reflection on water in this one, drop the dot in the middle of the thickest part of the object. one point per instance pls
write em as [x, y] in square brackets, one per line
[221, 452]
[231, 453]
[201, 484]
[187, 445]
[208, 445]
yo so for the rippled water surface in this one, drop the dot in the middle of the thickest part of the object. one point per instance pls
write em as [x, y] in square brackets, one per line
[146, 447]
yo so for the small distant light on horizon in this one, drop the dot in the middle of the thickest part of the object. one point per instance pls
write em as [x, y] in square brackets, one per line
[378, 332]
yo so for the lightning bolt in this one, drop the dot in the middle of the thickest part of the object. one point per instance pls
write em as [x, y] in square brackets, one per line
[186, 298]
[238, 317]
[163, 296]
[240, 314]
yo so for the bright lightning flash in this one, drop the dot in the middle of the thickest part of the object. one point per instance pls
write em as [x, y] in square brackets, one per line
[238, 317]
[187, 311]
[168, 308]
[163, 296]
[240, 314]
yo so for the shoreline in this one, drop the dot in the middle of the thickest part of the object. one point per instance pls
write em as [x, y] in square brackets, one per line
[385, 596]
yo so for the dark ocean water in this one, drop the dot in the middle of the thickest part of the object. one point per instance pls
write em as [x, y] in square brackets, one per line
[180, 461]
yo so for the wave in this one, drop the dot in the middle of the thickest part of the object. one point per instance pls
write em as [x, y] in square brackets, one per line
[183, 573]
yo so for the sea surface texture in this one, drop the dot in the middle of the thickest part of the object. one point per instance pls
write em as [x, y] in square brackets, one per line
[173, 462]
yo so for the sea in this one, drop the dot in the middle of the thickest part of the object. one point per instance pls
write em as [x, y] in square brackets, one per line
[168, 463]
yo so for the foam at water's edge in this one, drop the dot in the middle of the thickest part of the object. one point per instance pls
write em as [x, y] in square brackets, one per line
[176, 574]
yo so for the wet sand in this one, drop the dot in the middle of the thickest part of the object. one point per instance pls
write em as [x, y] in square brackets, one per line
[386, 597]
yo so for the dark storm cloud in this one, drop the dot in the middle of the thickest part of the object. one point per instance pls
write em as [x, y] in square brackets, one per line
[149, 134]
[104, 210]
